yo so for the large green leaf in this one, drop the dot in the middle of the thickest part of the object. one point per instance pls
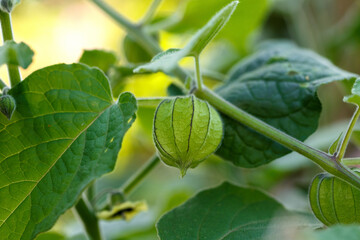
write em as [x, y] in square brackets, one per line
[277, 84]
[18, 54]
[66, 131]
[227, 212]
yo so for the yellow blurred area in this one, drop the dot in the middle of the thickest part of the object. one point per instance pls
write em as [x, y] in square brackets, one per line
[58, 31]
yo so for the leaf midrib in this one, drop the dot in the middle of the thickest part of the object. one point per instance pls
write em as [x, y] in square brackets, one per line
[37, 182]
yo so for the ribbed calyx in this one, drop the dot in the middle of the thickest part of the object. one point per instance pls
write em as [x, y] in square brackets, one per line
[334, 201]
[186, 131]
[7, 105]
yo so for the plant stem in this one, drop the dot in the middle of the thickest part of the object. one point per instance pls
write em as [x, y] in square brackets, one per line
[150, 102]
[198, 78]
[90, 191]
[145, 40]
[213, 75]
[6, 27]
[140, 174]
[351, 161]
[324, 160]
[346, 139]
[88, 218]
[150, 12]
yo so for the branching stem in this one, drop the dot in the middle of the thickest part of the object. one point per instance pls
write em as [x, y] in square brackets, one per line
[150, 12]
[327, 162]
[6, 27]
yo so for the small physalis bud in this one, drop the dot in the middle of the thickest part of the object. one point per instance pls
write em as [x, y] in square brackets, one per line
[8, 5]
[186, 131]
[7, 105]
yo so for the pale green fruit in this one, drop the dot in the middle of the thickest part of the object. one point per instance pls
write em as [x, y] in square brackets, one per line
[334, 201]
[186, 131]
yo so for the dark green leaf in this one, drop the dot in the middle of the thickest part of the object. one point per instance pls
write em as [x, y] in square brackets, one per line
[278, 84]
[98, 58]
[134, 52]
[227, 212]
[174, 90]
[66, 131]
[18, 54]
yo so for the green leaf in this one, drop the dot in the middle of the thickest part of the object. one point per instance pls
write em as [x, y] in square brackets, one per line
[245, 20]
[167, 61]
[134, 52]
[335, 145]
[225, 212]
[66, 131]
[163, 62]
[18, 54]
[278, 85]
[354, 98]
[98, 58]
[202, 38]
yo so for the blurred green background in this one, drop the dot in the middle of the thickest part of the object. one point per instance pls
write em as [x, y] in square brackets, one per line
[59, 31]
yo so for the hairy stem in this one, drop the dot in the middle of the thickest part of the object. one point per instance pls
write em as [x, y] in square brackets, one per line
[89, 219]
[198, 77]
[327, 162]
[145, 40]
[346, 138]
[150, 102]
[6, 27]
[324, 160]
[351, 161]
[135, 179]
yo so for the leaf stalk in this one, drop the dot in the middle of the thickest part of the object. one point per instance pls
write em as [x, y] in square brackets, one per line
[89, 219]
[346, 138]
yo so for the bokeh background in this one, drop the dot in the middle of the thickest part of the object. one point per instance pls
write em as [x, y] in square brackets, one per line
[59, 31]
